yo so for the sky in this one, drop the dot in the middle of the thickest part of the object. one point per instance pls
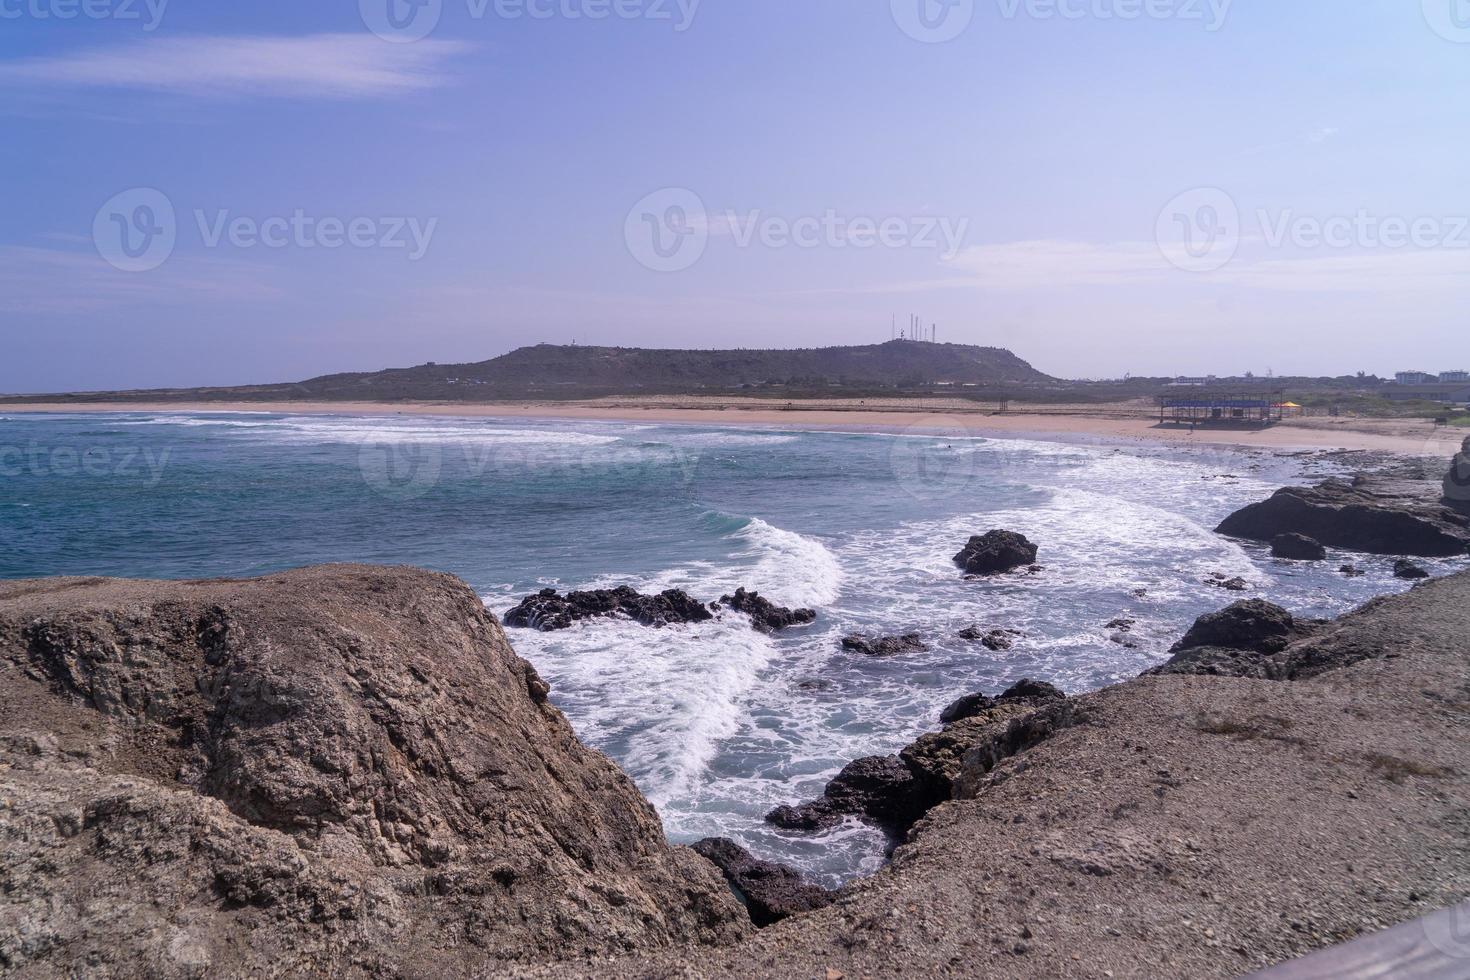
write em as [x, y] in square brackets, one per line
[222, 193]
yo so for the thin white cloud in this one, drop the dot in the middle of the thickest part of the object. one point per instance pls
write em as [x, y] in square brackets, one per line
[50, 281]
[331, 66]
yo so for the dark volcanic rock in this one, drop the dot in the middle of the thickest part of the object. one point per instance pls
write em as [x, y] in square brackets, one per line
[548, 610]
[1352, 571]
[1373, 514]
[1254, 624]
[1220, 581]
[878, 788]
[998, 640]
[340, 771]
[1403, 568]
[884, 646]
[1298, 547]
[765, 615]
[771, 891]
[996, 552]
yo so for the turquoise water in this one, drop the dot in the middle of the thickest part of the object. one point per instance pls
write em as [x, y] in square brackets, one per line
[715, 722]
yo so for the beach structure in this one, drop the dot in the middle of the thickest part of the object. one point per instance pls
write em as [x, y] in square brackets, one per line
[1224, 409]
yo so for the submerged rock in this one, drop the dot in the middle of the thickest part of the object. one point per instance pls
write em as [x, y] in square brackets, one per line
[998, 640]
[1298, 547]
[1374, 514]
[884, 646]
[549, 610]
[1405, 569]
[771, 891]
[1220, 581]
[343, 769]
[765, 615]
[995, 553]
[1352, 571]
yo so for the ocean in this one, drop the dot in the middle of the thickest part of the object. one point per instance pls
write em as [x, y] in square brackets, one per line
[716, 722]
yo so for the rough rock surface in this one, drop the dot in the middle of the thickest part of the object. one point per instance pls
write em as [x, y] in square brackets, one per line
[884, 646]
[765, 615]
[548, 610]
[1374, 514]
[1405, 569]
[1182, 827]
[895, 791]
[335, 771]
[1254, 624]
[998, 640]
[1298, 547]
[995, 553]
[771, 891]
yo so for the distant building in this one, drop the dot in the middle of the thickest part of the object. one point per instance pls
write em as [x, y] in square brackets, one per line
[1184, 382]
[1414, 378]
[1454, 377]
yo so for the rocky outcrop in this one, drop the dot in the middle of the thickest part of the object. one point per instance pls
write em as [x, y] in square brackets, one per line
[335, 771]
[765, 615]
[995, 553]
[771, 891]
[884, 646]
[549, 610]
[1405, 569]
[894, 792]
[1254, 624]
[998, 640]
[1374, 514]
[1298, 547]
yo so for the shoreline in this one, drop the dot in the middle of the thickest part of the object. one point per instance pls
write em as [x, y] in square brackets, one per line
[1404, 437]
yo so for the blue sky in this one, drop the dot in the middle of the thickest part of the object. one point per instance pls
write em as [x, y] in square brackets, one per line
[1104, 186]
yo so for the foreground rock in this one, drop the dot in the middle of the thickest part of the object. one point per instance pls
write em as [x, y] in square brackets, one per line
[884, 646]
[549, 610]
[771, 891]
[765, 615]
[995, 553]
[1298, 547]
[336, 771]
[1378, 515]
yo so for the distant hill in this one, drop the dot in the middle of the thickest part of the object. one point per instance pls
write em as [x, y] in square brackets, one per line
[549, 370]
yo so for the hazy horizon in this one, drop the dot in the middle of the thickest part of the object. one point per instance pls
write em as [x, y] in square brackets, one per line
[222, 196]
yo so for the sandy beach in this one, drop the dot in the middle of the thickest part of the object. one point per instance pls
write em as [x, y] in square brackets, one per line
[1067, 423]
